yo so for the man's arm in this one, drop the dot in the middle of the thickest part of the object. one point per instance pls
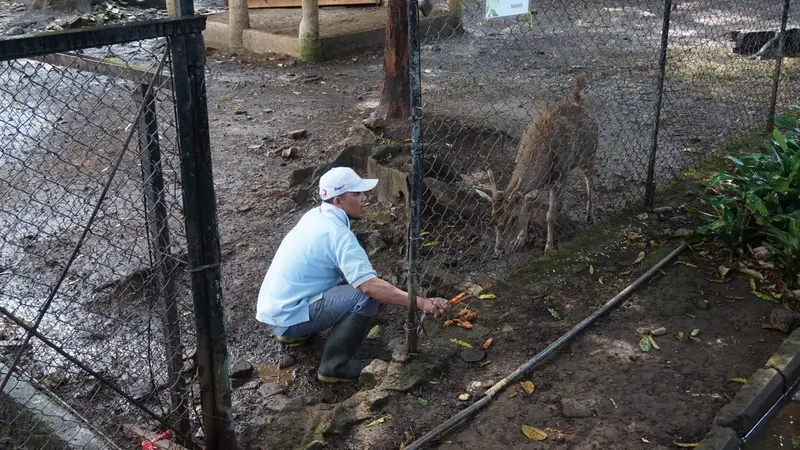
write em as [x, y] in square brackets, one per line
[386, 293]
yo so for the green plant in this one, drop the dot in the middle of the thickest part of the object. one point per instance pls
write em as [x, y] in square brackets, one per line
[755, 197]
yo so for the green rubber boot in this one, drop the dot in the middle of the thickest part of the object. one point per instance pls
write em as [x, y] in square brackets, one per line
[343, 341]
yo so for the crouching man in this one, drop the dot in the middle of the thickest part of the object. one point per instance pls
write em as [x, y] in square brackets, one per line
[321, 277]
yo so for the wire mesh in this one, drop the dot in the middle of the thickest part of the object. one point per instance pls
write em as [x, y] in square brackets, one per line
[63, 127]
[490, 84]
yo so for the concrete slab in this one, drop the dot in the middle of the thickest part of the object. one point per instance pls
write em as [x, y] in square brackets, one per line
[752, 401]
[787, 359]
[41, 421]
[343, 30]
[719, 439]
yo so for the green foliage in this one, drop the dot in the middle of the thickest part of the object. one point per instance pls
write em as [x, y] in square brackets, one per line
[756, 197]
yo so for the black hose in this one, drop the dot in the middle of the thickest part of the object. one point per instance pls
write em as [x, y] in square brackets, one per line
[492, 392]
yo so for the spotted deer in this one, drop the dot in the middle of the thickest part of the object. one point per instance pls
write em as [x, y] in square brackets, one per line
[563, 137]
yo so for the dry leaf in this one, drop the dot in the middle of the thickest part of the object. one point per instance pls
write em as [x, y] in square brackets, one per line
[739, 380]
[513, 394]
[487, 343]
[639, 258]
[653, 342]
[534, 433]
[695, 332]
[528, 386]
[723, 271]
[461, 343]
[690, 315]
[768, 326]
[600, 280]
[594, 352]
[686, 264]
[633, 237]
[463, 397]
[681, 336]
[753, 273]
[432, 243]
[379, 421]
[554, 313]
[591, 269]
[682, 445]
[487, 296]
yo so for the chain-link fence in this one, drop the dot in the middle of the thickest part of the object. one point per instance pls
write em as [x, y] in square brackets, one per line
[99, 270]
[519, 152]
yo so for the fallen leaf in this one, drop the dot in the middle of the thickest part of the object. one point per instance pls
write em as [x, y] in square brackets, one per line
[645, 344]
[653, 342]
[753, 273]
[739, 380]
[528, 386]
[513, 394]
[723, 271]
[681, 336]
[463, 397]
[379, 421]
[594, 352]
[554, 313]
[768, 326]
[375, 332]
[534, 433]
[695, 332]
[487, 343]
[600, 280]
[639, 258]
[655, 244]
[425, 233]
[487, 296]
[448, 322]
[430, 244]
[686, 264]
[633, 237]
[461, 343]
[645, 441]
[683, 445]
[460, 239]
[690, 315]
[591, 269]
[422, 401]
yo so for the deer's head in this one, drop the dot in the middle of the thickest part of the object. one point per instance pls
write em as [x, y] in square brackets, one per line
[504, 203]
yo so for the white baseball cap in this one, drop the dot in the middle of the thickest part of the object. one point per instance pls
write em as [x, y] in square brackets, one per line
[339, 180]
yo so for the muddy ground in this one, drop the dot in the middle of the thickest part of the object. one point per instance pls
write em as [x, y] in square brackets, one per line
[489, 82]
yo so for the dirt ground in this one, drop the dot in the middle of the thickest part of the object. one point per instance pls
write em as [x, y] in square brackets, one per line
[494, 78]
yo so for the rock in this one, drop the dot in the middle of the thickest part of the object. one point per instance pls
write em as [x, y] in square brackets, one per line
[472, 355]
[297, 134]
[463, 397]
[290, 153]
[681, 232]
[782, 319]
[760, 253]
[240, 112]
[372, 375]
[642, 216]
[398, 349]
[241, 369]
[286, 361]
[299, 176]
[375, 241]
[573, 408]
[277, 402]
[269, 389]
[474, 387]
[659, 331]
[15, 31]
[662, 209]
[507, 329]
[250, 385]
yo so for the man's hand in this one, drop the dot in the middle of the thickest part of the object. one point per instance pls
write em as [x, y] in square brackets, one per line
[436, 306]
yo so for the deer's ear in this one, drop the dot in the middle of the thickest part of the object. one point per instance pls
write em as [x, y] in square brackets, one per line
[484, 193]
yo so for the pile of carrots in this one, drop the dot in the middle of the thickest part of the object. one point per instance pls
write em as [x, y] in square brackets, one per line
[464, 317]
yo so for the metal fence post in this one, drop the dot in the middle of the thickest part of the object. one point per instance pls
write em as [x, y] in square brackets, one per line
[416, 175]
[650, 188]
[778, 60]
[203, 239]
[163, 289]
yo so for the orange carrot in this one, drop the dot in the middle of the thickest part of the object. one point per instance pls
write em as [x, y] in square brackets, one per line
[487, 343]
[470, 316]
[447, 323]
[464, 324]
[461, 313]
[457, 299]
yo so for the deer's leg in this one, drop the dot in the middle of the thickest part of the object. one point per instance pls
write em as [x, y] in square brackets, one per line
[589, 203]
[521, 238]
[552, 208]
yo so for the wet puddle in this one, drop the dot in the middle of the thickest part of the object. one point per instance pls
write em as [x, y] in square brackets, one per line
[270, 373]
[781, 432]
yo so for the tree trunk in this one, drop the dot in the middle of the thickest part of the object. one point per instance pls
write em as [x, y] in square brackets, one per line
[395, 102]
[238, 20]
[308, 36]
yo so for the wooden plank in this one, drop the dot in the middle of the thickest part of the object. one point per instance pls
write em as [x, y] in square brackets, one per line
[254, 4]
[107, 67]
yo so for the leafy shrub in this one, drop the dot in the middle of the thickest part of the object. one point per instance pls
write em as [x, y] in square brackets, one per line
[756, 198]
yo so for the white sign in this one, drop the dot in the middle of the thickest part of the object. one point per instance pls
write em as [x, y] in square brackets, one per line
[502, 8]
